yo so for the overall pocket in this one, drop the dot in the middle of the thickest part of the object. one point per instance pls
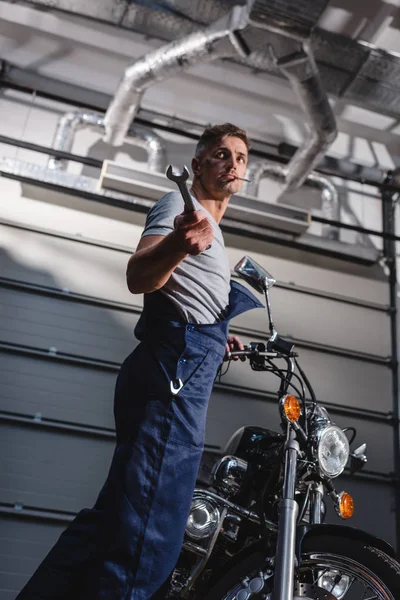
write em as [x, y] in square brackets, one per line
[190, 404]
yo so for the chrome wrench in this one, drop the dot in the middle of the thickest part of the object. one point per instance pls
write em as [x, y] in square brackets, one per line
[180, 179]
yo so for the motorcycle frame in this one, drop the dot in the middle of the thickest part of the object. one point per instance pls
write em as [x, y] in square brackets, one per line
[288, 533]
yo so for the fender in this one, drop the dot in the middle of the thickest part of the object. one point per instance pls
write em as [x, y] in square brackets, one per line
[307, 531]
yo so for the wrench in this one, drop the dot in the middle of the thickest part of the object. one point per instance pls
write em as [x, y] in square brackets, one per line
[180, 180]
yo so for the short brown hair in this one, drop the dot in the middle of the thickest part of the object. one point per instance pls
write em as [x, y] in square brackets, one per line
[213, 134]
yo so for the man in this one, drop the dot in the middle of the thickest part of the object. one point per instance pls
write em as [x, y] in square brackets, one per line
[126, 547]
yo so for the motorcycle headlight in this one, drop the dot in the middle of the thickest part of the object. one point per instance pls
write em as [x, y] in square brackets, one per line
[203, 519]
[333, 451]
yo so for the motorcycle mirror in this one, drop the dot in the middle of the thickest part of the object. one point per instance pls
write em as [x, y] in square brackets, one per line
[254, 274]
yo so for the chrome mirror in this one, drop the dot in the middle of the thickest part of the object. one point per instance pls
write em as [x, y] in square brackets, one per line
[255, 274]
[260, 280]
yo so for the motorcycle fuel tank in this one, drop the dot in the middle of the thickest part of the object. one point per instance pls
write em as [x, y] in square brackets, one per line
[254, 444]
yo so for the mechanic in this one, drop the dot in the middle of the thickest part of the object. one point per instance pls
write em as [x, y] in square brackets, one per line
[127, 545]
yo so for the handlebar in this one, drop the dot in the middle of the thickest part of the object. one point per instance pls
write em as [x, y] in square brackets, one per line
[260, 357]
[252, 353]
[249, 353]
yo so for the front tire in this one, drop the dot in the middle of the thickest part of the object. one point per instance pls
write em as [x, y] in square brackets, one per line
[329, 563]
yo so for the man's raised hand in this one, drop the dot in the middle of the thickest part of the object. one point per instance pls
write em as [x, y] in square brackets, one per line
[193, 232]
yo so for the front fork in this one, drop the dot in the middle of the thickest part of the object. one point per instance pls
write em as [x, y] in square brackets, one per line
[288, 510]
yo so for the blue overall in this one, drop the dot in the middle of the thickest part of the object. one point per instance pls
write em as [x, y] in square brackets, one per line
[127, 545]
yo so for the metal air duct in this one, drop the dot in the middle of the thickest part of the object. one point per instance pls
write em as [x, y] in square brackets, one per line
[330, 206]
[243, 34]
[217, 41]
[287, 26]
[72, 121]
[301, 70]
[225, 39]
[201, 11]
[353, 70]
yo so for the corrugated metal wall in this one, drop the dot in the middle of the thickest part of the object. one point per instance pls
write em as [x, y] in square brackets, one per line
[67, 322]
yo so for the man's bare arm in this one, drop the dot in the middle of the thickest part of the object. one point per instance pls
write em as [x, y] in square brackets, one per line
[156, 256]
[152, 264]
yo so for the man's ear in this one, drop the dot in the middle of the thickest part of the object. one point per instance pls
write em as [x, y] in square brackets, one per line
[195, 166]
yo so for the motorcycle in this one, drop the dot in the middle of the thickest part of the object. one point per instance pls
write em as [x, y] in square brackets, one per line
[257, 531]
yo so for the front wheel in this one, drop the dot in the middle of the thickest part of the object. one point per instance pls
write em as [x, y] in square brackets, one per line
[332, 568]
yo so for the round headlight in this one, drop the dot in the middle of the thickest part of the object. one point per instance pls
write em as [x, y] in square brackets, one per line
[333, 451]
[203, 519]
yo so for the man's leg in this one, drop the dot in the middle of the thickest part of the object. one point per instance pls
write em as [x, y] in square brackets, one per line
[151, 481]
[128, 544]
[62, 571]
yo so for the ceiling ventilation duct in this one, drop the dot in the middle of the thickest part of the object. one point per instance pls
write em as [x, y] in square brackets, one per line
[353, 70]
[301, 70]
[330, 206]
[233, 35]
[243, 34]
[143, 137]
[217, 41]
[203, 12]
[287, 26]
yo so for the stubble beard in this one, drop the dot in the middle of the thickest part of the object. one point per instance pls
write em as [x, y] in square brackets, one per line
[231, 187]
[227, 188]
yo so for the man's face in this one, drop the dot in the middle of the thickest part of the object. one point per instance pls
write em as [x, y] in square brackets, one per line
[221, 165]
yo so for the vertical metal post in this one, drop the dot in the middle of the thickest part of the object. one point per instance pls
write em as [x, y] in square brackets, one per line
[389, 251]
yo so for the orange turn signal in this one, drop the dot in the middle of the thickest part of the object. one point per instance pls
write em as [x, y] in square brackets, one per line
[345, 505]
[291, 408]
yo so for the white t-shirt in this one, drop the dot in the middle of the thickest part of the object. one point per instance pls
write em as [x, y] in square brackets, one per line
[199, 286]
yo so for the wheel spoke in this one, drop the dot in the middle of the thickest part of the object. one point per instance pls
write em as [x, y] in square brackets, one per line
[375, 597]
[361, 584]
[336, 581]
[319, 575]
[337, 574]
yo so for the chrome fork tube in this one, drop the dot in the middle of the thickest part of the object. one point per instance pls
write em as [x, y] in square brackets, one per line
[288, 509]
[317, 492]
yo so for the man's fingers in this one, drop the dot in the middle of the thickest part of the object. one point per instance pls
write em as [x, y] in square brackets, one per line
[227, 349]
[235, 342]
[194, 232]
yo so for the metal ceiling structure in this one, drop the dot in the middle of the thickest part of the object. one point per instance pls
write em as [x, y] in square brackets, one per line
[237, 34]
[351, 69]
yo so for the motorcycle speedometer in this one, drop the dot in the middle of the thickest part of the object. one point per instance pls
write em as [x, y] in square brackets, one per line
[203, 519]
[333, 451]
